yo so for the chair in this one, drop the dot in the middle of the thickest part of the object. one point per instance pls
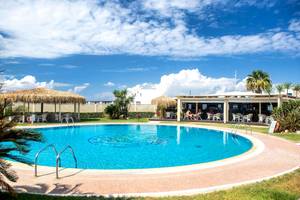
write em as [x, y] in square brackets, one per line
[209, 116]
[217, 117]
[67, 118]
[31, 118]
[197, 116]
[168, 115]
[248, 118]
[42, 118]
[236, 117]
[261, 118]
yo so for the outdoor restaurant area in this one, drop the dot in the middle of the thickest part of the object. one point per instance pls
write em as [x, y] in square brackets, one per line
[254, 108]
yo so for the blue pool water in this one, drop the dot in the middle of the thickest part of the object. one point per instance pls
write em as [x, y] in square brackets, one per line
[137, 146]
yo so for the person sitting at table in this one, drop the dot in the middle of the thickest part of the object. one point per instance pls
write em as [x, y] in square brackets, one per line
[188, 115]
[197, 116]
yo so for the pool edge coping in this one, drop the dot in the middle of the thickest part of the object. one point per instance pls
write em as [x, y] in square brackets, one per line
[256, 149]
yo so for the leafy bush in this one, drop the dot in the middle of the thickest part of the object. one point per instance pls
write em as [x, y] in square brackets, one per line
[140, 114]
[13, 140]
[91, 115]
[119, 109]
[288, 115]
[113, 111]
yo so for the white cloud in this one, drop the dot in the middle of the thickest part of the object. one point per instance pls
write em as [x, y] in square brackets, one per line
[294, 25]
[185, 82]
[28, 82]
[47, 29]
[79, 88]
[109, 84]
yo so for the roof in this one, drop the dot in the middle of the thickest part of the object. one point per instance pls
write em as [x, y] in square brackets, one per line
[42, 95]
[164, 101]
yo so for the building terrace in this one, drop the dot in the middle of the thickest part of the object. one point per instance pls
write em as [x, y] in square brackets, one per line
[234, 107]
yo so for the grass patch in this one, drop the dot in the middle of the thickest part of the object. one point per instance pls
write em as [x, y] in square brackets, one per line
[289, 136]
[286, 187]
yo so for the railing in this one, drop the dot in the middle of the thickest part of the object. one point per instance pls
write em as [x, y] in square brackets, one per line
[67, 120]
[38, 154]
[58, 161]
[246, 127]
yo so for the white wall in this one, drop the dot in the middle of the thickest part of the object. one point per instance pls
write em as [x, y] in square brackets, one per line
[86, 108]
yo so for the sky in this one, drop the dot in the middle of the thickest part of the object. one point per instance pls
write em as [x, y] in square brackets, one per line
[150, 47]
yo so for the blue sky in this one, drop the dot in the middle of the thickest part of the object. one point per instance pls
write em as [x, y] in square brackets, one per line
[158, 47]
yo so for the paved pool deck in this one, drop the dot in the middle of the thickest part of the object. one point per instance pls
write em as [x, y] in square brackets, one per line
[270, 157]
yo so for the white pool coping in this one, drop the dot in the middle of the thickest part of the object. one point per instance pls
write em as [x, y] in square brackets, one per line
[256, 149]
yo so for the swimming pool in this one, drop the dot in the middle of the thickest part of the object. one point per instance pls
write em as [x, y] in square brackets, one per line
[137, 146]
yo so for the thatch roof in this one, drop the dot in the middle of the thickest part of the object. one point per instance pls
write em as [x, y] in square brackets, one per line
[164, 101]
[42, 95]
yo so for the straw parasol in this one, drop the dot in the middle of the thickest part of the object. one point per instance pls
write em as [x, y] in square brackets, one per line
[163, 101]
[42, 95]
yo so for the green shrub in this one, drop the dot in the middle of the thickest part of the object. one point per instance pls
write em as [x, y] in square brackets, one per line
[288, 115]
[91, 115]
[141, 114]
[113, 111]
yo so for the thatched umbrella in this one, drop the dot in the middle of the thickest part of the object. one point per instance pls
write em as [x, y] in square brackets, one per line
[163, 101]
[43, 95]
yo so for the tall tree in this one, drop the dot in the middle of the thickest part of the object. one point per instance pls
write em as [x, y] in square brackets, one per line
[258, 81]
[279, 88]
[297, 89]
[287, 86]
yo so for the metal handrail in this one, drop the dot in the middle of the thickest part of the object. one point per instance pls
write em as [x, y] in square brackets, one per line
[38, 154]
[58, 158]
[248, 128]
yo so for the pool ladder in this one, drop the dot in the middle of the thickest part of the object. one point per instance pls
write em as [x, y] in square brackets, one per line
[57, 155]
[246, 127]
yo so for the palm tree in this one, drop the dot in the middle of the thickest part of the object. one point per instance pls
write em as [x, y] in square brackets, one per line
[258, 81]
[279, 88]
[120, 106]
[268, 90]
[287, 86]
[13, 144]
[297, 89]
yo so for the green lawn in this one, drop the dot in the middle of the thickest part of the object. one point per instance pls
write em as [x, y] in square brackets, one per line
[285, 187]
